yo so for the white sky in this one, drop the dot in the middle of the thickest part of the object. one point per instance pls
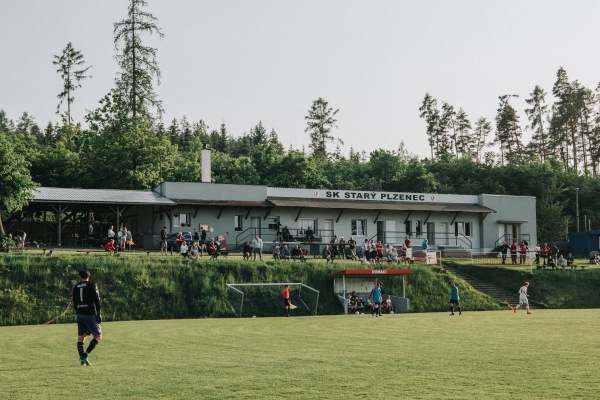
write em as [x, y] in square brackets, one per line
[239, 62]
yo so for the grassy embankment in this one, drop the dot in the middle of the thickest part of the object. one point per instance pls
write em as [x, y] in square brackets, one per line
[550, 288]
[35, 289]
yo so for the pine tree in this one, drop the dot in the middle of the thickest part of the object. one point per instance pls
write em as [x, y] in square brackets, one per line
[538, 114]
[72, 71]
[463, 133]
[137, 61]
[482, 130]
[448, 130]
[431, 115]
[320, 121]
[508, 130]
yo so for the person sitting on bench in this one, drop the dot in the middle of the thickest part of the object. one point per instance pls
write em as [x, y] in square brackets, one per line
[277, 253]
[211, 249]
[351, 305]
[285, 253]
[297, 254]
[571, 262]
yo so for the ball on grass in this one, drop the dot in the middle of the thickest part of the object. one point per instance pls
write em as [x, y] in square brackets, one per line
[254, 316]
[391, 312]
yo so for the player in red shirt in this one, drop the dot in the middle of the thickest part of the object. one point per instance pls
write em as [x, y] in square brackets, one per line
[286, 300]
[513, 252]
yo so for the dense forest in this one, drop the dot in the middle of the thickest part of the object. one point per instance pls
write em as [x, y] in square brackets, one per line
[124, 143]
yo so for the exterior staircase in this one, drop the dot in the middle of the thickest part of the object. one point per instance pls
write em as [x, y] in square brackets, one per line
[500, 295]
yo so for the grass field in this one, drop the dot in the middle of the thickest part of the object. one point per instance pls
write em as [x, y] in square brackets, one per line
[552, 354]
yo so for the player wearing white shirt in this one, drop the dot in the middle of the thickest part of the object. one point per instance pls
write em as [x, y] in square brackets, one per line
[523, 298]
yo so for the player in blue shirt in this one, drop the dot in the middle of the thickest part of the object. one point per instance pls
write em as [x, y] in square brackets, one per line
[454, 299]
[376, 293]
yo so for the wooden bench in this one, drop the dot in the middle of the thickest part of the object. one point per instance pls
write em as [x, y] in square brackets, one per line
[87, 252]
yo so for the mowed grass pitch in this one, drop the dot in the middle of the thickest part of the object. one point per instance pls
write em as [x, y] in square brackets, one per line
[552, 354]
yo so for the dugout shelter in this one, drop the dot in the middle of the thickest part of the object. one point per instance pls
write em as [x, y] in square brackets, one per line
[362, 281]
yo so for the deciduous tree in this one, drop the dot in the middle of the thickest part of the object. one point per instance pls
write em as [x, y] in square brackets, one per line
[16, 186]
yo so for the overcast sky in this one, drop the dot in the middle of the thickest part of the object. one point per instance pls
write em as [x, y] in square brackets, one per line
[241, 62]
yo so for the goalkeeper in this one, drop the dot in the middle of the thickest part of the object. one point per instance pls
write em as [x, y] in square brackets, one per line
[286, 300]
[86, 300]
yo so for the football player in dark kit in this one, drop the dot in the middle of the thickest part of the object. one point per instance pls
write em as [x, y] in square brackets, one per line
[86, 300]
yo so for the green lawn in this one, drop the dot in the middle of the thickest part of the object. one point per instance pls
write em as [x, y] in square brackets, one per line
[552, 354]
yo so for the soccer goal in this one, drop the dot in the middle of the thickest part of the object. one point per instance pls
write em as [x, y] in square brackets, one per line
[265, 299]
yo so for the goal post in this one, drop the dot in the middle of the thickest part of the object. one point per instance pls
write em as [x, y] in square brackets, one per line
[265, 299]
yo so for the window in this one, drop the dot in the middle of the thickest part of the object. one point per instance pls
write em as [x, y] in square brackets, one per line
[273, 222]
[408, 228]
[359, 227]
[304, 223]
[463, 228]
[418, 228]
[185, 219]
[237, 223]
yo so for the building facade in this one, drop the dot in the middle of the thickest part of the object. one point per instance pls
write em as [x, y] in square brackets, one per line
[239, 212]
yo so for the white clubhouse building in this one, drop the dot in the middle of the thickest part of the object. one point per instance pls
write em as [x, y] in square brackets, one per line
[239, 212]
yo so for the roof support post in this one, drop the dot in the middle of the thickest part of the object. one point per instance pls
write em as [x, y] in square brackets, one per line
[454, 219]
[407, 217]
[482, 218]
[298, 215]
[247, 213]
[221, 212]
[59, 211]
[339, 215]
[377, 217]
[267, 213]
[427, 219]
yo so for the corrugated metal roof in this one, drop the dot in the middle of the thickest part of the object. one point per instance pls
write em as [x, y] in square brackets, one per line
[98, 196]
[380, 205]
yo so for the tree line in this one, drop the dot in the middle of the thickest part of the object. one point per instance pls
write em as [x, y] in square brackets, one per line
[126, 145]
[567, 129]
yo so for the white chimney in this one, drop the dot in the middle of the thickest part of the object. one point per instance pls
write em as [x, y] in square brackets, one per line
[205, 156]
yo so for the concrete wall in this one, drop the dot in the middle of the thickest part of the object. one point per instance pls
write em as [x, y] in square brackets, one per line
[517, 209]
[211, 191]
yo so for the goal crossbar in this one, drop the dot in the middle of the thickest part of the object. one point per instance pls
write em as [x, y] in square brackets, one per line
[239, 309]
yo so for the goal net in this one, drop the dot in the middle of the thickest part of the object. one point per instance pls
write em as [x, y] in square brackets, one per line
[266, 300]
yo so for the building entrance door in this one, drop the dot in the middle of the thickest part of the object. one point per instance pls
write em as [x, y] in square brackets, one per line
[327, 231]
[443, 237]
[255, 225]
[381, 231]
[431, 232]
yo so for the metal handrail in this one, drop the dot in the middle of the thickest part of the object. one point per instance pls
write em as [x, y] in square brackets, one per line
[509, 238]
[459, 239]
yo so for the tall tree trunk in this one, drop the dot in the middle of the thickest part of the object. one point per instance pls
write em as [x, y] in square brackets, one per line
[133, 73]
[1, 225]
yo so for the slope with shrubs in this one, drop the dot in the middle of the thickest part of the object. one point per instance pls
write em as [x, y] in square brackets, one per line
[35, 289]
[548, 288]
